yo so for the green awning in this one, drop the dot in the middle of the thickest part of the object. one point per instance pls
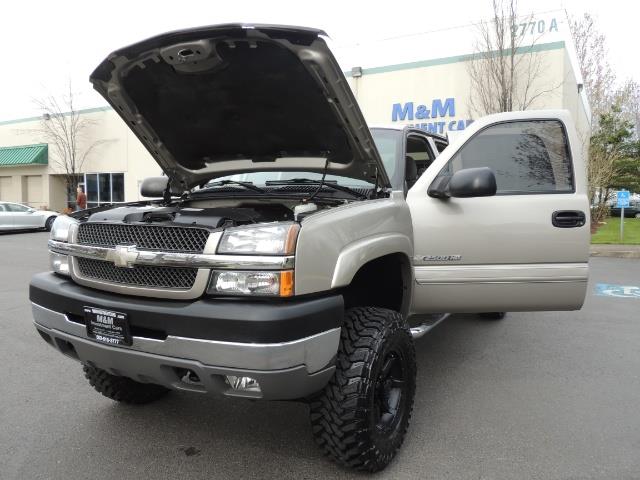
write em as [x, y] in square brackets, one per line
[24, 155]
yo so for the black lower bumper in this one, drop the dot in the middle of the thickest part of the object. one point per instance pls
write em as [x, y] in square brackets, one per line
[232, 320]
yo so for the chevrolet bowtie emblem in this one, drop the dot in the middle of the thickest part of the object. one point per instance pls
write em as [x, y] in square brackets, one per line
[124, 256]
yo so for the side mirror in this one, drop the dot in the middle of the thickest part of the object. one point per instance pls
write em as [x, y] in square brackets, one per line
[473, 182]
[31, 210]
[154, 187]
[465, 183]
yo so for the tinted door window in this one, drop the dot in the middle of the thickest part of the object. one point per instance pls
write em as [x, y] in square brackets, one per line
[526, 157]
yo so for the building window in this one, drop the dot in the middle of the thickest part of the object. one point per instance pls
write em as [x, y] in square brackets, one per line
[104, 188]
[91, 184]
[117, 187]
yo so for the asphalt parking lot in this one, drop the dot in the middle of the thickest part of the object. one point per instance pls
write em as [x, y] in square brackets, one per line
[537, 395]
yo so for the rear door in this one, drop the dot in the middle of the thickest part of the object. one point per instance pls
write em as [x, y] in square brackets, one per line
[525, 248]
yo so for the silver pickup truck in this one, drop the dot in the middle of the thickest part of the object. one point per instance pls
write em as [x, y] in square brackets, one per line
[291, 252]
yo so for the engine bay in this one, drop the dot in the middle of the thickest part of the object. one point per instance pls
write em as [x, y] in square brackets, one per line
[212, 214]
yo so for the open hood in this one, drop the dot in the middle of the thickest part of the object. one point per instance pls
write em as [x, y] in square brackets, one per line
[212, 101]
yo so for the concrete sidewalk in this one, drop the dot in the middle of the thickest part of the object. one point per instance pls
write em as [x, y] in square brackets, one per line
[618, 251]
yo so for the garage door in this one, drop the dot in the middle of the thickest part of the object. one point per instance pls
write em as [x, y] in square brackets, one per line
[34, 191]
[5, 189]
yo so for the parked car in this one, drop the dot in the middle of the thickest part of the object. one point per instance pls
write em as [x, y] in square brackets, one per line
[295, 274]
[16, 216]
[632, 211]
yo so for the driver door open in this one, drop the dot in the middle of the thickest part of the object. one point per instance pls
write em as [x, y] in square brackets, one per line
[525, 248]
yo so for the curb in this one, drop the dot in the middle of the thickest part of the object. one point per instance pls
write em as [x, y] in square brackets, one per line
[615, 251]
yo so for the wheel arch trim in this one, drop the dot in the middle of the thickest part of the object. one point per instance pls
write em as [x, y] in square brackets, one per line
[358, 254]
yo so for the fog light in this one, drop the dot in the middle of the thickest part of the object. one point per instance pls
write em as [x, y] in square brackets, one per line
[59, 263]
[245, 384]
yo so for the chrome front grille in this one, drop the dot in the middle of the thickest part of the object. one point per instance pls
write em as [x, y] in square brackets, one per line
[139, 276]
[146, 237]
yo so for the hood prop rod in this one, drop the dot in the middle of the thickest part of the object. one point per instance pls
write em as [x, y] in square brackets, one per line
[166, 196]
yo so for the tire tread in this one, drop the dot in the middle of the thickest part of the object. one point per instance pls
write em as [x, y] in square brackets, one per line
[336, 416]
[123, 389]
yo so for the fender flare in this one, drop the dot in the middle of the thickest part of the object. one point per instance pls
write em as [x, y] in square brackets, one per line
[356, 254]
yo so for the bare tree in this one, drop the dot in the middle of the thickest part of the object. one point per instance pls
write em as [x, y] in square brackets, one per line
[597, 75]
[505, 70]
[67, 132]
[628, 97]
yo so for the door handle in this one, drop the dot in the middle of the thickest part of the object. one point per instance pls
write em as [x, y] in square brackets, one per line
[568, 218]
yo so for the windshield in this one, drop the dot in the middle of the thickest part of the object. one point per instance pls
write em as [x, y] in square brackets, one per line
[387, 141]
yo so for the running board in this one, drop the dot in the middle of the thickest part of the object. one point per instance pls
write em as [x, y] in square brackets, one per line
[431, 322]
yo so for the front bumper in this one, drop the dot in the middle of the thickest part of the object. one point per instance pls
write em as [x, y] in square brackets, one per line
[285, 368]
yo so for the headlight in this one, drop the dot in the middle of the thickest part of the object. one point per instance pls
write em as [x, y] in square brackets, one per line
[275, 239]
[60, 232]
[60, 228]
[227, 282]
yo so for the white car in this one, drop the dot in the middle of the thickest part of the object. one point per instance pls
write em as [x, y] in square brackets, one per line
[15, 216]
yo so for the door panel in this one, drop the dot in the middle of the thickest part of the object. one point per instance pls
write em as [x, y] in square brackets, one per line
[34, 191]
[6, 189]
[504, 252]
[9, 221]
[22, 220]
[34, 220]
[521, 287]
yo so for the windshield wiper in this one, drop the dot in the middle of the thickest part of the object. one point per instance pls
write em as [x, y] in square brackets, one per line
[325, 183]
[247, 185]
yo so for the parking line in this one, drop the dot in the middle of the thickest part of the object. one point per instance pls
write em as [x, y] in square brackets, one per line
[619, 291]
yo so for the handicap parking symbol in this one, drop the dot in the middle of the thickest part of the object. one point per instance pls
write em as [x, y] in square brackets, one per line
[619, 291]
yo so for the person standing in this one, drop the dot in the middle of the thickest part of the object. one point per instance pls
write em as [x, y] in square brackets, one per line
[81, 199]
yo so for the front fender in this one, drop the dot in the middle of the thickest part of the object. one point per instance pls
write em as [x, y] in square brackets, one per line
[356, 254]
[334, 243]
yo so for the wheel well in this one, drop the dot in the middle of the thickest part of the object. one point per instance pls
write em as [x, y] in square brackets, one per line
[383, 282]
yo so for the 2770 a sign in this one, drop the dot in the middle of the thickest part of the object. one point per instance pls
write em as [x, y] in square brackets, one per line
[535, 27]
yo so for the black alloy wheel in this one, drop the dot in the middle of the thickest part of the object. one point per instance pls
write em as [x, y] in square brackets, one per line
[389, 393]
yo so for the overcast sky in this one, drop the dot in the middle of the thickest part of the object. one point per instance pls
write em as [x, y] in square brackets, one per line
[46, 42]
